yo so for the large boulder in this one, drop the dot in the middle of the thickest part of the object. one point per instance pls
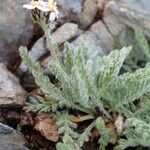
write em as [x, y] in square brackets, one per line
[16, 28]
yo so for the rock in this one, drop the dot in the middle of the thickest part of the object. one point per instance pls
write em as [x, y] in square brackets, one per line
[101, 5]
[134, 13]
[12, 147]
[11, 139]
[69, 10]
[11, 93]
[16, 28]
[44, 65]
[74, 6]
[88, 14]
[97, 36]
[139, 5]
[114, 25]
[46, 125]
[116, 28]
[66, 32]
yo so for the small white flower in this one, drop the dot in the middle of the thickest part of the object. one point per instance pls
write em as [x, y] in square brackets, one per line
[52, 16]
[56, 13]
[52, 6]
[49, 6]
[40, 4]
[44, 9]
[28, 6]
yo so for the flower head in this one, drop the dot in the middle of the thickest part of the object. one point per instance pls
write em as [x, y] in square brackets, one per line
[40, 4]
[43, 6]
[52, 6]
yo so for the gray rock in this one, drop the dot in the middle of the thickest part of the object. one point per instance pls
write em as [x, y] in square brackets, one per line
[11, 93]
[12, 147]
[88, 14]
[11, 139]
[129, 14]
[112, 23]
[116, 28]
[139, 5]
[66, 32]
[98, 37]
[16, 28]
[74, 6]
[69, 10]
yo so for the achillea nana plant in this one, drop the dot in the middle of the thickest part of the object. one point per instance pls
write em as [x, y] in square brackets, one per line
[95, 87]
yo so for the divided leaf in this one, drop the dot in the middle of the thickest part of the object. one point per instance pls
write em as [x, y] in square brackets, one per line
[128, 87]
[137, 133]
[41, 80]
[110, 66]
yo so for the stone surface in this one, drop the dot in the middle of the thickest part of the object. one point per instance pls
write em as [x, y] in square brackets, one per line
[134, 14]
[101, 5]
[140, 5]
[16, 28]
[88, 14]
[69, 10]
[112, 23]
[11, 139]
[98, 37]
[66, 32]
[116, 28]
[11, 93]
[74, 6]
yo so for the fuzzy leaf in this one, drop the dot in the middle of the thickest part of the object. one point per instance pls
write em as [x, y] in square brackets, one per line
[41, 80]
[106, 135]
[68, 60]
[111, 65]
[128, 87]
[137, 133]
[84, 137]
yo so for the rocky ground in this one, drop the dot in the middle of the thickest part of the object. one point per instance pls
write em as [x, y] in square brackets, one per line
[104, 24]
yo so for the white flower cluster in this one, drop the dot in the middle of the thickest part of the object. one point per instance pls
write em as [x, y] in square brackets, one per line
[41, 5]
